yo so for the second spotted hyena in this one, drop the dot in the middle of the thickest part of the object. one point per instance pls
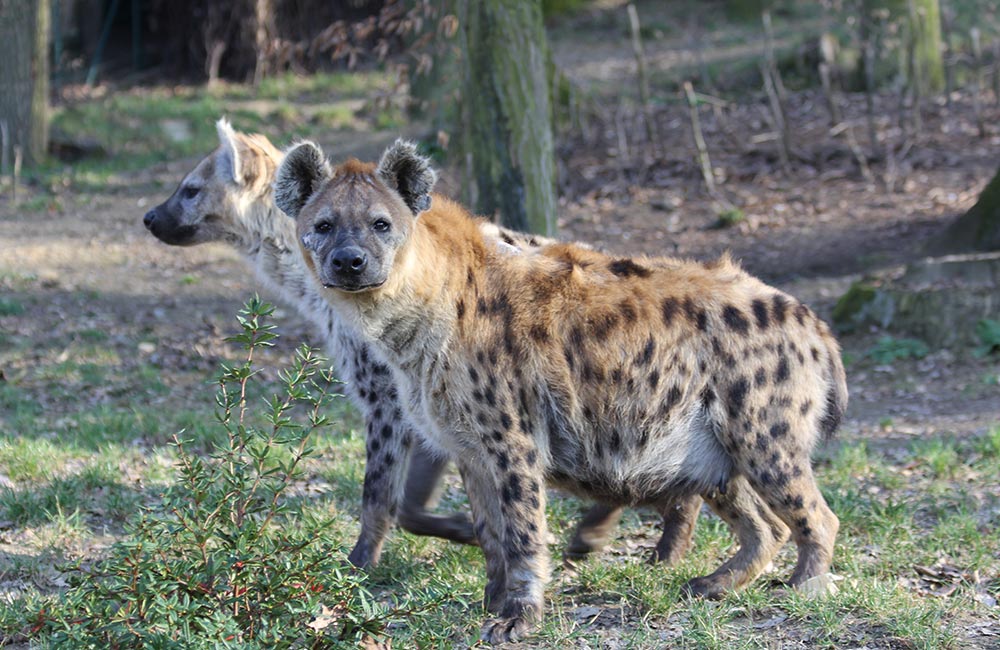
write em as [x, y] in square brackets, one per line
[631, 381]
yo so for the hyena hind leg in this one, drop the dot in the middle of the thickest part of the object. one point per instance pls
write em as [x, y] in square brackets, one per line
[679, 519]
[423, 489]
[593, 531]
[759, 532]
[790, 489]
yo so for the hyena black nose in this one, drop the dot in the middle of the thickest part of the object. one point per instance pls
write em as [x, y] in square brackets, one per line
[349, 259]
[149, 218]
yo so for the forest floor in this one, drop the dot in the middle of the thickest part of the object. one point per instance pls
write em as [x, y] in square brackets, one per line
[108, 339]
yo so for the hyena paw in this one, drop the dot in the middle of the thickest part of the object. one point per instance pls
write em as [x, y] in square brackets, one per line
[516, 620]
[704, 587]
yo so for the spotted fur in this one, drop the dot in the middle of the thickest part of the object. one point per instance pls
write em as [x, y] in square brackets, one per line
[527, 371]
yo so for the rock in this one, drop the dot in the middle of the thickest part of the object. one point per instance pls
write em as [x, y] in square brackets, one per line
[939, 300]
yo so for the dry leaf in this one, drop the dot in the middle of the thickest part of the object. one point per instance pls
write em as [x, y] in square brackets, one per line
[327, 616]
[820, 586]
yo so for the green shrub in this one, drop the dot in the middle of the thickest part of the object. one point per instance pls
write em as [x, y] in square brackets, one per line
[225, 559]
[988, 331]
[889, 349]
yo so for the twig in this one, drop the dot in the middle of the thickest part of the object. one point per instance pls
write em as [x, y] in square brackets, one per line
[640, 61]
[704, 161]
[775, 92]
[828, 61]
[859, 155]
[777, 117]
[623, 150]
[977, 77]
[4, 152]
[17, 171]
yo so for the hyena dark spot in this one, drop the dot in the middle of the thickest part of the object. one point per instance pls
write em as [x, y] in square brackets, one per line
[483, 418]
[796, 472]
[782, 372]
[695, 314]
[779, 429]
[737, 396]
[477, 395]
[814, 353]
[482, 308]
[761, 444]
[674, 396]
[616, 375]
[507, 239]
[481, 357]
[669, 310]
[538, 333]
[503, 461]
[779, 307]
[505, 421]
[616, 441]
[735, 319]
[800, 313]
[491, 396]
[801, 522]
[531, 458]
[602, 324]
[587, 413]
[460, 309]
[780, 479]
[473, 375]
[407, 441]
[627, 310]
[388, 460]
[765, 478]
[470, 277]
[363, 393]
[783, 402]
[374, 445]
[644, 357]
[797, 502]
[570, 361]
[707, 397]
[625, 268]
[511, 490]
[760, 377]
[760, 313]
[592, 374]
[377, 414]
[806, 405]
[386, 432]
[532, 242]
[643, 439]
[497, 435]
[493, 356]
[654, 379]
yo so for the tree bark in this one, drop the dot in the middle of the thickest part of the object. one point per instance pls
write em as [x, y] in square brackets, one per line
[24, 77]
[976, 230]
[508, 113]
[928, 44]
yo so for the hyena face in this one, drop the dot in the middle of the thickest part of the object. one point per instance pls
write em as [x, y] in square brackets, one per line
[353, 229]
[204, 207]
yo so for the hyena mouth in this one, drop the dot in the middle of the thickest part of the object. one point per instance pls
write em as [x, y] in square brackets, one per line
[353, 288]
[178, 236]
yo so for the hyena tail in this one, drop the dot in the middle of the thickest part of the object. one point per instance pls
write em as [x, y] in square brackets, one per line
[836, 396]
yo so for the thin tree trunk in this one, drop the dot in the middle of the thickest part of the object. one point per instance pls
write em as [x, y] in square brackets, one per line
[508, 113]
[24, 77]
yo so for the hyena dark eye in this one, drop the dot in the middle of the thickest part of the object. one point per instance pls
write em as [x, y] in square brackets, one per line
[323, 227]
[190, 192]
[381, 225]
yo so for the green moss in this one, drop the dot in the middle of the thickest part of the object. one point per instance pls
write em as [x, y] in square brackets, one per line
[851, 304]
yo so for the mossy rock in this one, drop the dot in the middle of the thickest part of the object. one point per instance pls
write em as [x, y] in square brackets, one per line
[939, 300]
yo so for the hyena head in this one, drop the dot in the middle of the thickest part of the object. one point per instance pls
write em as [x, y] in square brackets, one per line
[211, 202]
[353, 220]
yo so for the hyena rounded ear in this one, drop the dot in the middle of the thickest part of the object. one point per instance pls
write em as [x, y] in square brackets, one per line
[228, 162]
[405, 170]
[301, 172]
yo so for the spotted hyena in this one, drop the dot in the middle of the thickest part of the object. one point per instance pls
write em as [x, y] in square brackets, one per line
[227, 197]
[629, 381]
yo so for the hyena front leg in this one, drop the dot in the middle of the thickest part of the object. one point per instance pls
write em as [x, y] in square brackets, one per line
[489, 531]
[513, 494]
[760, 533]
[423, 483]
[679, 519]
[388, 442]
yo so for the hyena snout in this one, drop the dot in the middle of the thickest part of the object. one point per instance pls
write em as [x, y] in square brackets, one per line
[349, 261]
[168, 228]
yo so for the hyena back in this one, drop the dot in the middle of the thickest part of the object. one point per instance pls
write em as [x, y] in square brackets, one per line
[631, 381]
[227, 197]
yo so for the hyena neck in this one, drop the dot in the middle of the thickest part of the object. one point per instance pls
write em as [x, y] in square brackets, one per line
[264, 226]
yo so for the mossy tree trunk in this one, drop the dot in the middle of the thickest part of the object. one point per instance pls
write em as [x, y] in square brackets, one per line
[508, 114]
[24, 77]
[979, 228]
[923, 18]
